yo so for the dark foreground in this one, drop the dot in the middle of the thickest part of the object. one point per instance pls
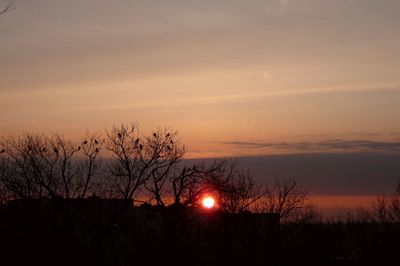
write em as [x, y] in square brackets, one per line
[93, 232]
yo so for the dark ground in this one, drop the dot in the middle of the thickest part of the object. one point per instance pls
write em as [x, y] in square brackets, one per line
[93, 234]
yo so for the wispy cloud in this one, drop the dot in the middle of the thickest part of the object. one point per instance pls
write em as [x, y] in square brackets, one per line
[324, 145]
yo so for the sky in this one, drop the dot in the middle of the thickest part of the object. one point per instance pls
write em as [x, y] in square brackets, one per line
[335, 181]
[302, 89]
[234, 77]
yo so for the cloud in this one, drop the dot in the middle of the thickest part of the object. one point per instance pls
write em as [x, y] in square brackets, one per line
[324, 145]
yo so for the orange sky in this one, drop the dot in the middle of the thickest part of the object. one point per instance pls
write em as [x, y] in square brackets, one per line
[220, 72]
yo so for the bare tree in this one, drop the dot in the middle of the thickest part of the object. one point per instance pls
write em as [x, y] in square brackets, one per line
[386, 209]
[163, 146]
[284, 196]
[190, 183]
[154, 162]
[36, 165]
[9, 6]
[395, 204]
[136, 159]
[237, 189]
[382, 210]
[5, 193]
[89, 165]
[23, 165]
[61, 169]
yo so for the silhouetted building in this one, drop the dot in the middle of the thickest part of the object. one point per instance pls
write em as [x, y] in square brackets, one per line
[107, 231]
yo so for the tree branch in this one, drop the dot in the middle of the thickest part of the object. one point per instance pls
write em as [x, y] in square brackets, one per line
[8, 7]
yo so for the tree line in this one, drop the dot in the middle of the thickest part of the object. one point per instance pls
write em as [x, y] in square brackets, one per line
[123, 163]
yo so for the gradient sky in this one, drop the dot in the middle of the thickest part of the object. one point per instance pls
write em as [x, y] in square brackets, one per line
[234, 77]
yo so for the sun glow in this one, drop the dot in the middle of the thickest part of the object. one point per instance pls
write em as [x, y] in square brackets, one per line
[208, 202]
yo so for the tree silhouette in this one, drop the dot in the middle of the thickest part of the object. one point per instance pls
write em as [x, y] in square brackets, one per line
[130, 162]
[386, 209]
[154, 162]
[89, 165]
[49, 166]
[284, 196]
[7, 7]
[192, 182]
[164, 147]
[37, 165]
[237, 188]
[141, 160]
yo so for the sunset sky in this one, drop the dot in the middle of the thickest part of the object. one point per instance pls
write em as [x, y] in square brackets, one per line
[234, 77]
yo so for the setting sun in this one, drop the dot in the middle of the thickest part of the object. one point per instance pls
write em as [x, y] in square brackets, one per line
[208, 202]
[199, 132]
